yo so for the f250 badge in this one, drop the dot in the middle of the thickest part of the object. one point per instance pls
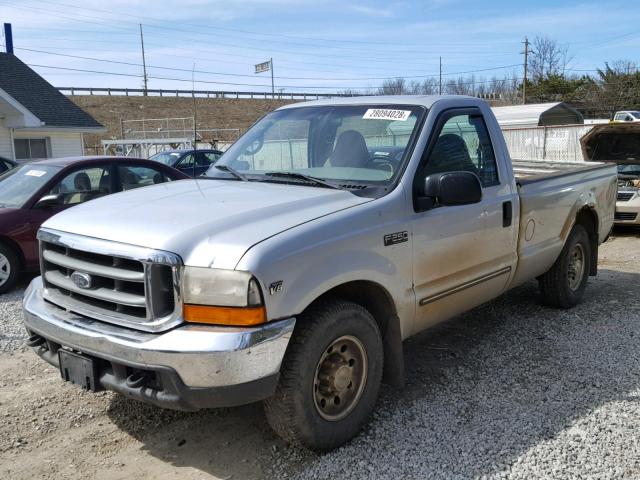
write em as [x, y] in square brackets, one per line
[397, 237]
[275, 287]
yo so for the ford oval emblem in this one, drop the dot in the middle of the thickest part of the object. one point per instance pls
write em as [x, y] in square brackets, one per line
[81, 280]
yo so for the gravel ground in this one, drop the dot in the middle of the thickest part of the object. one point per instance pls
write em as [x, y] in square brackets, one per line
[510, 390]
[12, 333]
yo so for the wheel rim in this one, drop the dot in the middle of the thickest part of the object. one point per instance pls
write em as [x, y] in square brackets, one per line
[5, 269]
[575, 272]
[341, 375]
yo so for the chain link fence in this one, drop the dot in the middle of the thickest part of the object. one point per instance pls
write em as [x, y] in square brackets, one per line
[559, 144]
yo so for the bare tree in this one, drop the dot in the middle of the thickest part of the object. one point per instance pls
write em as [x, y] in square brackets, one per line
[396, 86]
[547, 58]
[461, 86]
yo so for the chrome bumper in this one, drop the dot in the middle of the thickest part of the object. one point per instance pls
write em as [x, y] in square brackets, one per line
[202, 356]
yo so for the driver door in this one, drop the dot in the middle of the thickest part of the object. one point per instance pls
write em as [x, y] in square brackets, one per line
[463, 254]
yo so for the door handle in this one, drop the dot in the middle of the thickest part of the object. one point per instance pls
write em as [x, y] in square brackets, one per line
[507, 214]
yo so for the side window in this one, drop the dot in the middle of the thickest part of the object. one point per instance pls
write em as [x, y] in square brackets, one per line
[135, 177]
[464, 145]
[207, 158]
[204, 159]
[186, 162]
[83, 185]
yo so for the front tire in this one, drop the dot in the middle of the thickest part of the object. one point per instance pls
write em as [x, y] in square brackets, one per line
[330, 376]
[9, 268]
[564, 284]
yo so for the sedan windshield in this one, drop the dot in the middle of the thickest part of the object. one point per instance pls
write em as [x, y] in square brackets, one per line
[168, 158]
[629, 169]
[18, 185]
[350, 146]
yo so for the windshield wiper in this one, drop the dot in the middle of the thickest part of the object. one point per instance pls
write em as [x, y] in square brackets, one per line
[233, 172]
[302, 176]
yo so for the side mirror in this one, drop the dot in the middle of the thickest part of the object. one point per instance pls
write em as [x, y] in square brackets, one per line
[49, 201]
[453, 188]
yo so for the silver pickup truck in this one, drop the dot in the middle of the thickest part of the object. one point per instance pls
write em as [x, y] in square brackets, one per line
[294, 269]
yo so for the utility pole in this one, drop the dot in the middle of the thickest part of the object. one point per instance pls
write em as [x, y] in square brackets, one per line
[440, 75]
[195, 118]
[526, 64]
[144, 62]
[273, 88]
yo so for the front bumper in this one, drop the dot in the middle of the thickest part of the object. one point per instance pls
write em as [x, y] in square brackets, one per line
[187, 368]
[628, 212]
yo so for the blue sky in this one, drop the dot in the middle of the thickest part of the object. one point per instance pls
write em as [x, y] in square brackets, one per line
[317, 46]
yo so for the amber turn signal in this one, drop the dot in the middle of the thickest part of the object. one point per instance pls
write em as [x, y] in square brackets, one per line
[236, 316]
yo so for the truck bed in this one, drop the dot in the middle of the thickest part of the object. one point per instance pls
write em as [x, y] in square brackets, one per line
[529, 171]
[550, 194]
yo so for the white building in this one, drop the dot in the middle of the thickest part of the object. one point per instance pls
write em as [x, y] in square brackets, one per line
[36, 120]
[537, 115]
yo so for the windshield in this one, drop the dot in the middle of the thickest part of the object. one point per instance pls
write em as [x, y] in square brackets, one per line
[168, 158]
[629, 169]
[348, 146]
[18, 185]
[635, 114]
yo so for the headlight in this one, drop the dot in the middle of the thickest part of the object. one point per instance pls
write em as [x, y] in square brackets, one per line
[222, 297]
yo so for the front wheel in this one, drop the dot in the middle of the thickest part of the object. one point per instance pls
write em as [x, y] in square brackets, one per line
[330, 376]
[564, 284]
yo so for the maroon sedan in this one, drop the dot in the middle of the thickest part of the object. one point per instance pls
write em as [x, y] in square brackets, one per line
[33, 192]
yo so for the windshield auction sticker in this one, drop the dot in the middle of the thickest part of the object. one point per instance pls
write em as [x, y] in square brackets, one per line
[386, 114]
[35, 173]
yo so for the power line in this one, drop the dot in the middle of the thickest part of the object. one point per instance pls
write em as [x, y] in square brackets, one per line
[119, 62]
[164, 27]
[162, 23]
[235, 83]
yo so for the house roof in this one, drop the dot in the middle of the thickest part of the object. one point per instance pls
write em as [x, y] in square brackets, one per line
[554, 113]
[41, 98]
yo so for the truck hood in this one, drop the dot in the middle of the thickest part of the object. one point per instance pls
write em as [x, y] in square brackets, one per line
[209, 223]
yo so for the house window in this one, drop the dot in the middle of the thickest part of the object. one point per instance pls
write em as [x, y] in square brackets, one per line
[28, 148]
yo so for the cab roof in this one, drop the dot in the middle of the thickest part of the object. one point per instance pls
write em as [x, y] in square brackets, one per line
[415, 100]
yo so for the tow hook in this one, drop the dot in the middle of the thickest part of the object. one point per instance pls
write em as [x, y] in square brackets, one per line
[137, 379]
[35, 341]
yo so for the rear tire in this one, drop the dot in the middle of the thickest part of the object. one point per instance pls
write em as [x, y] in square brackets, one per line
[9, 268]
[330, 376]
[564, 284]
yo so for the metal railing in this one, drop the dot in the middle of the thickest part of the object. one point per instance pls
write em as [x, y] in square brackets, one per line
[198, 93]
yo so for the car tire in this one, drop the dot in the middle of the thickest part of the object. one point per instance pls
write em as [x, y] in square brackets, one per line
[330, 376]
[9, 268]
[564, 284]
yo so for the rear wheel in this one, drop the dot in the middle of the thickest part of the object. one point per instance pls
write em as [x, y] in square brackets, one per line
[564, 284]
[330, 376]
[9, 268]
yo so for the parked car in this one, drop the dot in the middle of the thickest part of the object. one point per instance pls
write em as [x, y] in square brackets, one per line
[321, 249]
[6, 164]
[627, 116]
[620, 144]
[33, 192]
[190, 162]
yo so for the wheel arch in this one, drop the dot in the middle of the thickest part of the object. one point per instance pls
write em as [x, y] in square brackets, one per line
[588, 218]
[377, 300]
[4, 240]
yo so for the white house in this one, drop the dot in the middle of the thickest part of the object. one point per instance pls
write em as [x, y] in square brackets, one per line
[36, 120]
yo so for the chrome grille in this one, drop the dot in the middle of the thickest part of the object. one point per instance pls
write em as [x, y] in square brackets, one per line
[122, 284]
[628, 216]
[625, 196]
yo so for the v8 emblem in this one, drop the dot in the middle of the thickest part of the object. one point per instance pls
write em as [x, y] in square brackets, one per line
[275, 287]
